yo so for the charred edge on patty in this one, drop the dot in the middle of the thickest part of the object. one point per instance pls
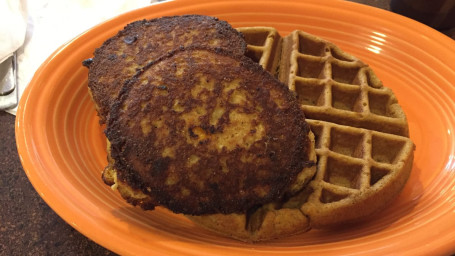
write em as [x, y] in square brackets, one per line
[114, 61]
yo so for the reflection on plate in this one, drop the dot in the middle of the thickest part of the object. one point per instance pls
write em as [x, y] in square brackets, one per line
[63, 151]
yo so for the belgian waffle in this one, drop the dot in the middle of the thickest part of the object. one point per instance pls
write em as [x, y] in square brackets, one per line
[362, 141]
[364, 153]
[336, 87]
[359, 172]
[331, 84]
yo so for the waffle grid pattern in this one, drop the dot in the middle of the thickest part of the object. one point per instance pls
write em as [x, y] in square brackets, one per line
[334, 86]
[353, 160]
[362, 145]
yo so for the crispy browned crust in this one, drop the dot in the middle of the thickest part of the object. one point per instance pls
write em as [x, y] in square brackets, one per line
[166, 142]
[272, 221]
[132, 196]
[139, 42]
[275, 224]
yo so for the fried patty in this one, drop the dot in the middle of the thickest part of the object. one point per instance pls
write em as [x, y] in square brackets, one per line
[140, 42]
[203, 131]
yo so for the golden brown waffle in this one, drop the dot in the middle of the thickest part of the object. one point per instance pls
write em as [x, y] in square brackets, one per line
[364, 153]
[336, 87]
[331, 85]
[359, 172]
[362, 145]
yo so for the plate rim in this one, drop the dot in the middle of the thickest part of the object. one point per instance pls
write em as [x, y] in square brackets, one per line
[20, 121]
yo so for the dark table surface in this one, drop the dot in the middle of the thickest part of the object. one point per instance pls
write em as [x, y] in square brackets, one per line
[28, 226]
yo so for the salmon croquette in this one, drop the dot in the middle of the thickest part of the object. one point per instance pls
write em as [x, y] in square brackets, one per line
[203, 131]
[140, 42]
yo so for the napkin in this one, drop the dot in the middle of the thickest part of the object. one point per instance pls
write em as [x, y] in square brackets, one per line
[13, 22]
[51, 23]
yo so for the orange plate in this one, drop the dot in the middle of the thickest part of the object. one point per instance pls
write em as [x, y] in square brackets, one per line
[62, 147]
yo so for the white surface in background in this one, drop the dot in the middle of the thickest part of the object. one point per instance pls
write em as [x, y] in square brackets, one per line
[51, 23]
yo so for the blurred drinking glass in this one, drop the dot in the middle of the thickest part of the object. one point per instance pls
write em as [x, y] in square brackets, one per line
[439, 14]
